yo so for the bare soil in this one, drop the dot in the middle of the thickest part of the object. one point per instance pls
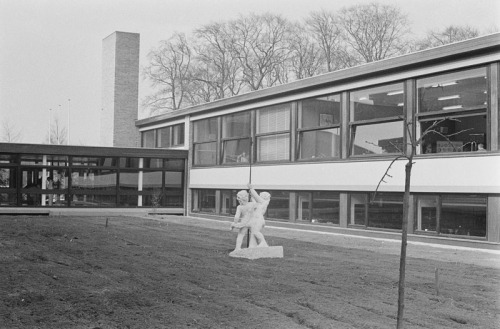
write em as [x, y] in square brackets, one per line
[76, 272]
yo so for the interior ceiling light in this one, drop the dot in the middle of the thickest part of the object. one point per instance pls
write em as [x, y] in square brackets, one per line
[451, 83]
[444, 98]
[401, 104]
[397, 92]
[454, 107]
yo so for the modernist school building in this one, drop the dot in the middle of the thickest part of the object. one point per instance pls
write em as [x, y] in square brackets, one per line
[321, 145]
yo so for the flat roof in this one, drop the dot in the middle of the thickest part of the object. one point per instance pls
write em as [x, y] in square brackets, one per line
[72, 150]
[465, 49]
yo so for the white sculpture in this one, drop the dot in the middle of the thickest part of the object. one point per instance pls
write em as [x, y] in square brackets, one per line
[251, 215]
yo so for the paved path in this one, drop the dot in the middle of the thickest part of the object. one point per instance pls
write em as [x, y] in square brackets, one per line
[480, 257]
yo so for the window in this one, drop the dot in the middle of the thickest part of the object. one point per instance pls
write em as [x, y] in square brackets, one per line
[148, 138]
[279, 207]
[205, 142]
[452, 111]
[326, 207]
[452, 214]
[382, 210]
[229, 202]
[273, 133]
[236, 138]
[319, 128]
[377, 120]
[170, 136]
[204, 201]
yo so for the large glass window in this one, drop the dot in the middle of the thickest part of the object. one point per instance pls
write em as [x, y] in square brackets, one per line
[148, 138]
[273, 133]
[380, 210]
[319, 128]
[170, 136]
[229, 202]
[204, 201]
[377, 120]
[452, 112]
[326, 207]
[236, 137]
[452, 214]
[205, 142]
[279, 207]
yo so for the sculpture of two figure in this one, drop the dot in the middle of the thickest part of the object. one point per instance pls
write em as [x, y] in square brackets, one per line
[250, 215]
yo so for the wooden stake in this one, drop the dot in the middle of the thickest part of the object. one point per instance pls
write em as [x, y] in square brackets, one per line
[106, 222]
[436, 275]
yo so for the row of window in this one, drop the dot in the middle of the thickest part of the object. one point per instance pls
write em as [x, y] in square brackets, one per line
[91, 182]
[448, 214]
[166, 137]
[451, 116]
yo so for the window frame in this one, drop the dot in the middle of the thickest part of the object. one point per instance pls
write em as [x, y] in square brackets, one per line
[451, 114]
[224, 140]
[214, 141]
[353, 124]
[257, 135]
[301, 130]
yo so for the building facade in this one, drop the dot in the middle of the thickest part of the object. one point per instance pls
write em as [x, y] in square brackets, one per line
[322, 145]
[60, 176]
[120, 89]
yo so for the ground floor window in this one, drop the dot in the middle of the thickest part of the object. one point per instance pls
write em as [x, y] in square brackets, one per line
[452, 214]
[377, 210]
[228, 202]
[279, 207]
[318, 207]
[204, 201]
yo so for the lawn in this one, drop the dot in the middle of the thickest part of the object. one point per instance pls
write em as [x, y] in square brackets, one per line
[124, 272]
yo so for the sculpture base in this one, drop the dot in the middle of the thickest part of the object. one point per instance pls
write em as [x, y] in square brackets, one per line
[258, 252]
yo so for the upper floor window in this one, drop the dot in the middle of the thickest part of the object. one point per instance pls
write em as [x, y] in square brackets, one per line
[170, 136]
[377, 120]
[148, 138]
[273, 133]
[319, 128]
[452, 111]
[205, 141]
[236, 137]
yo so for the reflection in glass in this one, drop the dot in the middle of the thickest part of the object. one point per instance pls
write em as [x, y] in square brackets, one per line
[236, 125]
[129, 181]
[320, 112]
[163, 137]
[148, 138]
[377, 138]
[463, 215]
[378, 103]
[151, 180]
[386, 211]
[326, 207]
[205, 154]
[204, 201]
[237, 150]
[427, 209]
[205, 130]
[279, 207]
[359, 204]
[319, 144]
[453, 91]
[228, 202]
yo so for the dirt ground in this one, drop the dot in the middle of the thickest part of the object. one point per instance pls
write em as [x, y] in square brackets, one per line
[175, 272]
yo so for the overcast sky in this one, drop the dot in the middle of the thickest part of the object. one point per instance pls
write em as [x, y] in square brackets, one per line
[50, 50]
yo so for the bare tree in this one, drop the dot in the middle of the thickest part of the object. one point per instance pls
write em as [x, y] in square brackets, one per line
[411, 150]
[323, 26]
[216, 67]
[169, 71]
[448, 35]
[374, 31]
[58, 133]
[10, 134]
[259, 43]
[306, 58]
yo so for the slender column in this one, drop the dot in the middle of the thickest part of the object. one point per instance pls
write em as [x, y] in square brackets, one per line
[44, 178]
[140, 182]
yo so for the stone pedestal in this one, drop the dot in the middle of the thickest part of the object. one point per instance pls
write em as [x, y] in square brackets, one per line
[258, 252]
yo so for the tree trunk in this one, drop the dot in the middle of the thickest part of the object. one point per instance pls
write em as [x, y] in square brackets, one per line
[404, 236]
